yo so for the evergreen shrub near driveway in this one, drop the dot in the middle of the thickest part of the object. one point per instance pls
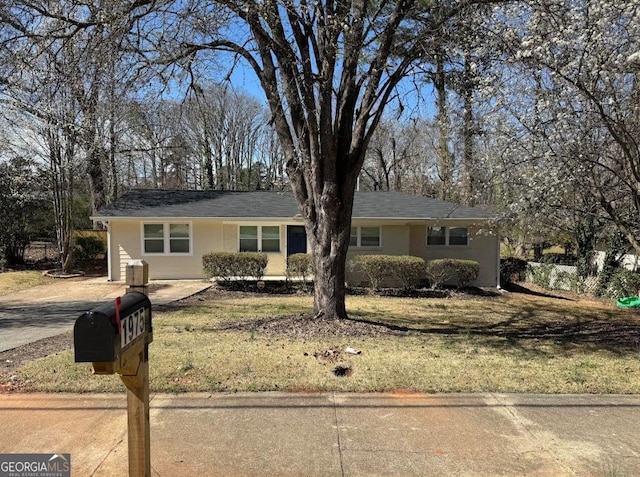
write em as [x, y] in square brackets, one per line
[239, 265]
[406, 270]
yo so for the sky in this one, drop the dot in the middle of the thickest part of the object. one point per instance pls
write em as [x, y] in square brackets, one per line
[419, 103]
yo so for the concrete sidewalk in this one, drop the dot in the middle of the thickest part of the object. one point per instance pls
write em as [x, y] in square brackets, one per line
[335, 434]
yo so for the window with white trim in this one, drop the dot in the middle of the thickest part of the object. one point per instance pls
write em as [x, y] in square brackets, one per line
[365, 237]
[166, 238]
[254, 238]
[447, 236]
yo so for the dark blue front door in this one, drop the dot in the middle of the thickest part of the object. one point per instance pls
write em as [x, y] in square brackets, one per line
[296, 239]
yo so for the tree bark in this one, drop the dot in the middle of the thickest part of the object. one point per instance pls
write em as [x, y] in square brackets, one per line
[329, 243]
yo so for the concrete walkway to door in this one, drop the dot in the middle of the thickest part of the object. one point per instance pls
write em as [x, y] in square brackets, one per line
[48, 310]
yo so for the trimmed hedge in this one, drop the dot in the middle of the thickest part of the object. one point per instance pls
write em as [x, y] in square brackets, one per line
[300, 266]
[228, 265]
[407, 270]
[467, 271]
[443, 270]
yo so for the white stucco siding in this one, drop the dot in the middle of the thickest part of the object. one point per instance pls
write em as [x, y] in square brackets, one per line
[209, 235]
[277, 260]
[394, 240]
[126, 238]
[482, 248]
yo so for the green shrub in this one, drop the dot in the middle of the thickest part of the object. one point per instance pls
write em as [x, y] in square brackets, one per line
[512, 270]
[373, 267]
[241, 265]
[408, 271]
[541, 275]
[300, 266]
[623, 283]
[467, 271]
[89, 248]
[442, 270]
[570, 281]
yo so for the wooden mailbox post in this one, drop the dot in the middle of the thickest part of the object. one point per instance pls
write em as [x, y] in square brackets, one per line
[115, 337]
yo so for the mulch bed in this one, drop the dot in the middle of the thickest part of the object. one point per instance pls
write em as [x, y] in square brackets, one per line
[308, 326]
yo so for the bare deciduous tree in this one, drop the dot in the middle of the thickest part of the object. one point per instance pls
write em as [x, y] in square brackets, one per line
[328, 69]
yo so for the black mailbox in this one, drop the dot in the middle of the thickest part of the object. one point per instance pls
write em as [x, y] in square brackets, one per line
[111, 332]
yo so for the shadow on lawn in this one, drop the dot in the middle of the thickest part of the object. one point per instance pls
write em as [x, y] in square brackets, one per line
[515, 288]
[620, 337]
[618, 333]
[541, 324]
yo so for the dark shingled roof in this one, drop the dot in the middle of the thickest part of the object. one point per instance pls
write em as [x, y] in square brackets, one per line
[255, 204]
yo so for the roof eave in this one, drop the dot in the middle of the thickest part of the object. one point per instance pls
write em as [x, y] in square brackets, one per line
[296, 219]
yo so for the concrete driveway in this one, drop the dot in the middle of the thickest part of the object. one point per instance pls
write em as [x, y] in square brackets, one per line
[49, 310]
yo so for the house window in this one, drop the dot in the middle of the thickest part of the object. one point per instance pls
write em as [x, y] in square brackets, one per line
[179, 238]
[444, 236]
[364, 237]
[166, 238]
[259, 239]
[248, 238]
[436, 236]
[458, 236]
[271, 239]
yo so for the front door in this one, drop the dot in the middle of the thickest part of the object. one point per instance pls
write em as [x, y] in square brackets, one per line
[296, 239]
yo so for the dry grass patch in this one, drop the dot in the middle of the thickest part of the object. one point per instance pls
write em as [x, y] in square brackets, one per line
[11, 282]
[512, 343]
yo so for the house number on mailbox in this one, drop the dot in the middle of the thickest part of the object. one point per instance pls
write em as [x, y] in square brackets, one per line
[131, 327]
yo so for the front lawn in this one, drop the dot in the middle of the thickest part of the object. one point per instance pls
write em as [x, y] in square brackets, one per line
[247, 342]
[11, 282]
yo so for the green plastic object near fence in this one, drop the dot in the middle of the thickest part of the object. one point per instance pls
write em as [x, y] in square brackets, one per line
[629, 302]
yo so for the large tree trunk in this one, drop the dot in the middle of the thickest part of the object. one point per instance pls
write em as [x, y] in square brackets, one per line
[329, 244]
